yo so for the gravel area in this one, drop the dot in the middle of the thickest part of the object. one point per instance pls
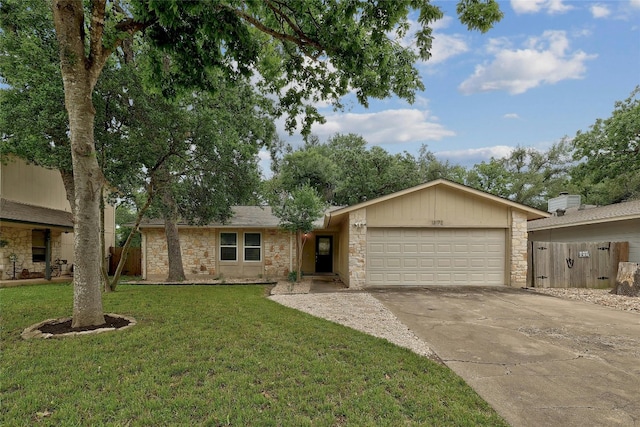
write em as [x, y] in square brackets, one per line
[359, 311]
[595, 296]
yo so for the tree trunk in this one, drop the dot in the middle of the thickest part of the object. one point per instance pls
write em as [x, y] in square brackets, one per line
[127, 243]
[104, 267]
[300, 241]
[628, 279]
[170, 213]
[80, 75]
[67, 180]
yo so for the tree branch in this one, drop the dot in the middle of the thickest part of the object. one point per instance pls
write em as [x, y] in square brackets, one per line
[304, 45]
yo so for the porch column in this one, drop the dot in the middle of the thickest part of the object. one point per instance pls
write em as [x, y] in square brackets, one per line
[47, 254]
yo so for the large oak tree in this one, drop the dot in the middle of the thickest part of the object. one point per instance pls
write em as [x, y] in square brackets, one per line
[304, 50]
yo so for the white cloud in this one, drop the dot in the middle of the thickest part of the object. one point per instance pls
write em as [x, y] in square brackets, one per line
[511, 116]
[473, 156]
[543, 60]
[600, 11]
[444, 46]
[535, 6]
[635, 3]
[384, 127]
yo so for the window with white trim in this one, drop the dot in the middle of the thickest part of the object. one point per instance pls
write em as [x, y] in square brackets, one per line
[252, 247]
[228, 246]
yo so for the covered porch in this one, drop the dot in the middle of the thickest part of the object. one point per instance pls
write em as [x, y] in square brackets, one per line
[35, 242]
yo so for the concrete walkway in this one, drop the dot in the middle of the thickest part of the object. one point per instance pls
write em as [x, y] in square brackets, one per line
[538, 360]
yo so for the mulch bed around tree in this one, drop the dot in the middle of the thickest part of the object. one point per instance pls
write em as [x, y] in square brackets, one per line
[65, 327]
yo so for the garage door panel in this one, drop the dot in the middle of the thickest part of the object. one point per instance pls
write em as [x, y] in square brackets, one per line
[443, 248]
[410, 263]
[376, 248]
[410, 248]
[394, 248]
[427, 262]
[393, 263]
[461, 263]
[435, 256]
[427, 248]
[410, 277]
[446, 263]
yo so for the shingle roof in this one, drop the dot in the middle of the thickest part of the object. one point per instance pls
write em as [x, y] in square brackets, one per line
[243, 216]
[11, 211]
[616, 212]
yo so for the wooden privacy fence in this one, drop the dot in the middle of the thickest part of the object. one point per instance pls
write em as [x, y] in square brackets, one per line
[575, 265]
[133, 264]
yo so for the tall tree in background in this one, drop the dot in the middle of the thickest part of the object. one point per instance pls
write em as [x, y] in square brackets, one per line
[430, 168]
[526, 176]
[366, 173]
[198, 37]
[609, 155]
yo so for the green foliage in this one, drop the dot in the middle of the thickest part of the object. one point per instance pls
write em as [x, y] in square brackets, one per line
[297, 211]
[33, 120]
[430, 168]
[125, 216]
[526, 176]
[345, 171]
[609, 154]
[479, 14]
[292, 276]
[245, 360]
[292, 43]
[309, 166]
[299, 208]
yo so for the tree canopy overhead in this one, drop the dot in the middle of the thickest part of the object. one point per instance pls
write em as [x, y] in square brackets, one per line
[304, 51]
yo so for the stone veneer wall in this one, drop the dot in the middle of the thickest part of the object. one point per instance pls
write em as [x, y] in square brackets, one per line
[518, 274]
[279, 249]
[357, 249]
[199, 252]
[20, 242]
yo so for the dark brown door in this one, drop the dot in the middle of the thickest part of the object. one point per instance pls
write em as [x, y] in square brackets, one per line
[324, 254]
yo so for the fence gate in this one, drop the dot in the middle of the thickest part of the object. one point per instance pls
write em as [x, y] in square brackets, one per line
[133, 264]
[575, 265]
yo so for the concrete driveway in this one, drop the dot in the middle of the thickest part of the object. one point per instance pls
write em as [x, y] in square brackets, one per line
[538, 360]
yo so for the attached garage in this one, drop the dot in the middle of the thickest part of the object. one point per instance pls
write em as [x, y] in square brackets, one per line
[438, 233]
[429, 256]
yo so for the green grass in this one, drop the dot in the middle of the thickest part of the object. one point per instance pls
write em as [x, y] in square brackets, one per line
[215, 356]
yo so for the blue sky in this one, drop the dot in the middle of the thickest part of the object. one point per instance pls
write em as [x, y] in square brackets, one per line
[547, 70]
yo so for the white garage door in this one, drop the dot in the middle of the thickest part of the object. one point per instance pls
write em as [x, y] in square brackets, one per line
[428, 256]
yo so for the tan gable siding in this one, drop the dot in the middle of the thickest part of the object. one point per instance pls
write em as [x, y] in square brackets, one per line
[33, 185]
[438, 206]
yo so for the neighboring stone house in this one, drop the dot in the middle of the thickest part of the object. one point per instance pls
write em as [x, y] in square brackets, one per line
[574, 222]
[435, 233]
[36, 224]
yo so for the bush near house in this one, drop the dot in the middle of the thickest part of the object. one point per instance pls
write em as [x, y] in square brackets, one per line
[216, 356]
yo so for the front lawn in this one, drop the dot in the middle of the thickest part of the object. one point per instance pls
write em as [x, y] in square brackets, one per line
[217, 356]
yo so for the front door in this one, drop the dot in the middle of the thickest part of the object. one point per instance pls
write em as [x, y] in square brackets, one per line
[324, 254]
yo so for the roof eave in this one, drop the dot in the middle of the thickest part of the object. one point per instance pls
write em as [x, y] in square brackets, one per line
[586, 222]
